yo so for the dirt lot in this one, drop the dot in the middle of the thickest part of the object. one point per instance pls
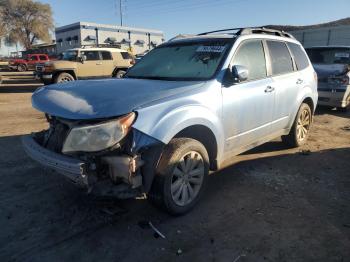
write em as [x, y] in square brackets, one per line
[273, 204]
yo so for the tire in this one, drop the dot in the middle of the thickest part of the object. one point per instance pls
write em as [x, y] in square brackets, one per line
[173, 184]
[119, 74]
[21, 68]
[64, 77]
[46, 82]
[300, 130]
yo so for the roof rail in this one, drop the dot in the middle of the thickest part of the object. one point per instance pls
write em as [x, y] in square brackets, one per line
[252, 30]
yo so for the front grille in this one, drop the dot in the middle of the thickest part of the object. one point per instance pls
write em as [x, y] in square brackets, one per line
[56, 136]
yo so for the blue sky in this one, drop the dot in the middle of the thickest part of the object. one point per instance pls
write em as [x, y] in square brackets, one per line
[195, 16]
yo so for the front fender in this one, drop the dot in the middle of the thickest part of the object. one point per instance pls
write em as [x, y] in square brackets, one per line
[164, 127]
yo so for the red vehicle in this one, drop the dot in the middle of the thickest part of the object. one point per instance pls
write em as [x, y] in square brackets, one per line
[28, 63]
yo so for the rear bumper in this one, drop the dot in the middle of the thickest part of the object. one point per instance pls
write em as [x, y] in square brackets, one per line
[71, 168]
[334, 96]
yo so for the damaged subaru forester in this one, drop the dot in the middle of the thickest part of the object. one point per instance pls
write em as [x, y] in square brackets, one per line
[187, 107]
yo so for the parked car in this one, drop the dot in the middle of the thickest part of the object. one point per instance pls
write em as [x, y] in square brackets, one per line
[85, 63]
[332, 64]
[28, 63]
[160, 129]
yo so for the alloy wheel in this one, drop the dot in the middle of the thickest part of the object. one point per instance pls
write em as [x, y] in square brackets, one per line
[187, 178]
[303, 124]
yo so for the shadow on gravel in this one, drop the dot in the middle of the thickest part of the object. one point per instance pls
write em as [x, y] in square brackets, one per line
[290, 207]
[321, 110]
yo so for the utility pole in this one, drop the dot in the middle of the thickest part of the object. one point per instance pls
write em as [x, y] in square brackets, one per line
[121, 12]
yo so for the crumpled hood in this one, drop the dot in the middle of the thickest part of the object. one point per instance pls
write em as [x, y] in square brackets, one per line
[105, 98]
[328, 70]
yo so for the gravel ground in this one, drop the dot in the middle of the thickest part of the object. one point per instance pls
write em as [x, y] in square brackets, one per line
[271, 204]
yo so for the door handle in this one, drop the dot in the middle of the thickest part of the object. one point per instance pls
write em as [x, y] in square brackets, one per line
[299, 81]
[269, 89]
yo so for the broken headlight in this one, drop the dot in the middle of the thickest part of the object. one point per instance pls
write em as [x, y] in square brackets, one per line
[98, 137]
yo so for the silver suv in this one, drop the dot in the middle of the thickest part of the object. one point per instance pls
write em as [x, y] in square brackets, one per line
[181, 111]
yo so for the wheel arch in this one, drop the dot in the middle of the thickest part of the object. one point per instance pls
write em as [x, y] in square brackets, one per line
[69, 71]
[205, 136]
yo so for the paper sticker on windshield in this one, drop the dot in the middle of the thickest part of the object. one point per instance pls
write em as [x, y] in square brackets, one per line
[211, 49]
[342, 55]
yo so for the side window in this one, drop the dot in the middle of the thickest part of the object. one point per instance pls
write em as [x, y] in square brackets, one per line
[106, 55]
[299, 56]
[91, 55]
[126, 55]
[251, 55]
[281, 61]
[42, 57]
[34, 58]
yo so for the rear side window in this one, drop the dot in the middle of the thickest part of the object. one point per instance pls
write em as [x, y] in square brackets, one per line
[91, 55]
[299, 56]
[126, 55]
[281, 61]
[106, 55]
[251, 55]
[33, 58]
[42, 57]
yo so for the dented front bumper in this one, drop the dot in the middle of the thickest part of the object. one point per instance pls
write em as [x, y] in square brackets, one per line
[82, 174]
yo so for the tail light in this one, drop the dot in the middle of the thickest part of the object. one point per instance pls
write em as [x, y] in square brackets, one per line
[315, 77]
[344, 80]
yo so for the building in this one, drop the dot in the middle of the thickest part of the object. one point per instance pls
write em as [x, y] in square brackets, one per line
[325, 36]
[89, 34]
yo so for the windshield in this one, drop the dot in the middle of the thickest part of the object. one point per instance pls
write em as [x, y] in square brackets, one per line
[329, 55]
[184, 61]
[69, 55]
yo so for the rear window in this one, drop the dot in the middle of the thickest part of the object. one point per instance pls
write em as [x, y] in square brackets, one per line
[281, 61]
[329, 55]
[126, 55]
[299, 56]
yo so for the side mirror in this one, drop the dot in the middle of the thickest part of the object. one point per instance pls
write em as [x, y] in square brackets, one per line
[239, 73]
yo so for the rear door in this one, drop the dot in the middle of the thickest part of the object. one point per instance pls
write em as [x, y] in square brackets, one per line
[286, 82]
[248, 105]
[107, 63]
[92, 67]
[32, 61]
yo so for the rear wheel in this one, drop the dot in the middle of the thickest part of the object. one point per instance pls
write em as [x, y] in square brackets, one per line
[21, 68]
[300, 130]
[181, 176]
[119, 74]
[64, 77]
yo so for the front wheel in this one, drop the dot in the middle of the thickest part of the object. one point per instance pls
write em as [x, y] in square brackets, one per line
[181, 176]
[300, 130]
[64, 77]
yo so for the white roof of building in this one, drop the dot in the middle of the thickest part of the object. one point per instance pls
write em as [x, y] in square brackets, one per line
[117, 27]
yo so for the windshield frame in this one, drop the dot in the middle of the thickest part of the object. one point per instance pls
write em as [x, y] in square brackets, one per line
[228, 41]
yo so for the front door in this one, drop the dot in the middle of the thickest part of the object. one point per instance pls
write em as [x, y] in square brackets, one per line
[248, 106]
[92, 67]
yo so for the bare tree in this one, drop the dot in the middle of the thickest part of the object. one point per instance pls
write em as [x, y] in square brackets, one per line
[26, 21]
